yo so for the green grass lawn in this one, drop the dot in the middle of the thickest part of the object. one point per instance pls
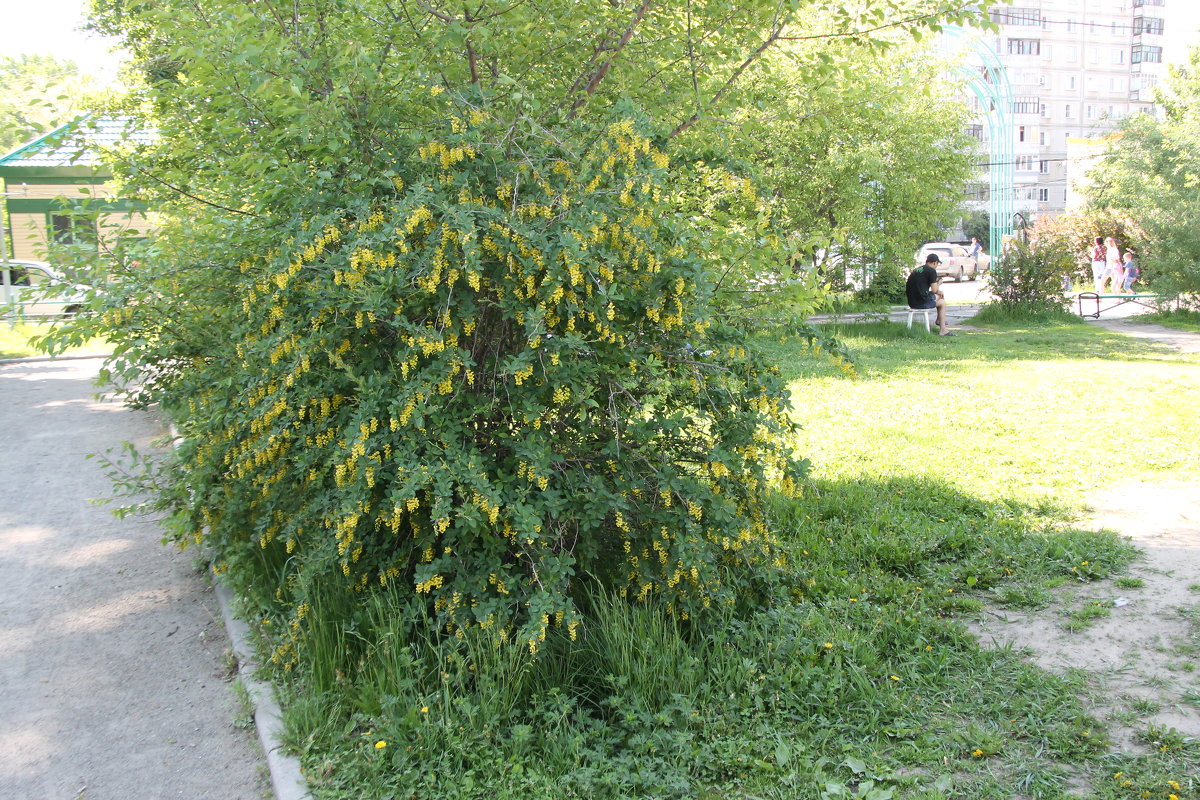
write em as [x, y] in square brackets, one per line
[14, 341]
[1182, 320]
[946, 474]
[1041, 415]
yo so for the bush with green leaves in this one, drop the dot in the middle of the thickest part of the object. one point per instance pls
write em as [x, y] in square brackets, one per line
[505, 374]
[887, 285]
[1029, 276]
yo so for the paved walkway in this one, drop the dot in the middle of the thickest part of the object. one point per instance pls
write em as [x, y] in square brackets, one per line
[112, 652]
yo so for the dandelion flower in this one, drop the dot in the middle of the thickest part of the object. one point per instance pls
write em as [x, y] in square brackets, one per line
[380, 744]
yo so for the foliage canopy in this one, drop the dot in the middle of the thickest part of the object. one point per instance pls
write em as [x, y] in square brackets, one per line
[431, 312]
[1149, 179]
[37, 94]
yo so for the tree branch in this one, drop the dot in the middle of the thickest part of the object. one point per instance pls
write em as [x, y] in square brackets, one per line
[600, 73]
[775, 37]
[175, 188]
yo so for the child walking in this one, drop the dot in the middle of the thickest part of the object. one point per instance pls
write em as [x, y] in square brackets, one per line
[1132, 272]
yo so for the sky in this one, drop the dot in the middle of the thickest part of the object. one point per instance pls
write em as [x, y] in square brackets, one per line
[51, 27]
[1182, 20]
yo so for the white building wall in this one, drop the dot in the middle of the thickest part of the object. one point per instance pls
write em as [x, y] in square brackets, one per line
[1076, 67]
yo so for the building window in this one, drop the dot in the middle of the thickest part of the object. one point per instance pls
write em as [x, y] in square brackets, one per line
[1072, 53]
[1042, 138]
[1067, 111]
[1117, 56]
[1024, 47]
[1151, 25]
[1044, 167]
[1044, 195]
[1020, 133]
[1073, 83]
[1139, 82]
[1016, 16]
[1145, 54]
[1140, 3]
[1071, 25]
[1024, 163]
[1091, 112]
[1116, 84]
[1027, 105]
[1094, 55]
[975, 132]
[71, 229]
[1091, 83]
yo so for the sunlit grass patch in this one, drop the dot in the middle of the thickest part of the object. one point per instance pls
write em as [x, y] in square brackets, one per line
[1038, 414]
[14, 341]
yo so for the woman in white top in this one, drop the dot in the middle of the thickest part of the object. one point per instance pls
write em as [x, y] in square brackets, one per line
[1099, 264]
[1115, 271]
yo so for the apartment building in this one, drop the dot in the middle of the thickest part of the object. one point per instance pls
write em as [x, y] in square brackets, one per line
[1076, 67]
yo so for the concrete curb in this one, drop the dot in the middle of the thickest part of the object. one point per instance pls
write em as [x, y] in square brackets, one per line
[41, 359]
[287, 780]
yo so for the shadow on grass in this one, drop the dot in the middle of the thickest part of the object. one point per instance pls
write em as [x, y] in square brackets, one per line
[925, 541]
[890, 348]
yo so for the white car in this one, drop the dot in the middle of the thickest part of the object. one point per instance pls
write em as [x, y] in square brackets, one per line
[954, 260]
[24, 285]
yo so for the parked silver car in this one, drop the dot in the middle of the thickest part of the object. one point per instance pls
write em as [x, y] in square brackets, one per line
[24, 285]
[956, 261]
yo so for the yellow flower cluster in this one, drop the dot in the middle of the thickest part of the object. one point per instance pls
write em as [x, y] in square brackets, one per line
[445, 156]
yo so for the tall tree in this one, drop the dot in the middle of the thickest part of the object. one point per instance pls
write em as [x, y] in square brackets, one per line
[1150, 179]
[426, 306]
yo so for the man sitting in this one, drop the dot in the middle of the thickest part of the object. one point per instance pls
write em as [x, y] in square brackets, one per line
[924, 291]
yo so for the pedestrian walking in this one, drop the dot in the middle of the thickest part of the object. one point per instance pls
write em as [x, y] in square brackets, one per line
[1115, 272]
[1099, 264]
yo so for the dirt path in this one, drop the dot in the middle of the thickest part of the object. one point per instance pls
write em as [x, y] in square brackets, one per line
[112, 652]
[1143, 655]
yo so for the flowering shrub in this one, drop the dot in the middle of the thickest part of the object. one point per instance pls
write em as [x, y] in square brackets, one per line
[502, 376]
[1030, 277]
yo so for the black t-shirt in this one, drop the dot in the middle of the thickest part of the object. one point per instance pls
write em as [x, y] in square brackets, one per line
[918, 285]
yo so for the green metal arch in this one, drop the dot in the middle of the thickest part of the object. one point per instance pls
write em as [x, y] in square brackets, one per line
[988, 81]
